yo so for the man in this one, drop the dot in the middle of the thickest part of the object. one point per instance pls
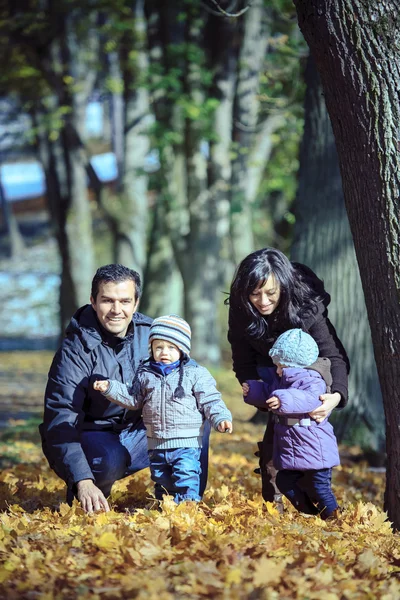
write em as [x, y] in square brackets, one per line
[88, 441]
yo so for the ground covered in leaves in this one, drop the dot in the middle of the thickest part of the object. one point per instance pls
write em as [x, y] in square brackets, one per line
[230, 546]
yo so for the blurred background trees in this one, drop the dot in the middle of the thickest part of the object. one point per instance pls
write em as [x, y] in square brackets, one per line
[193, 163]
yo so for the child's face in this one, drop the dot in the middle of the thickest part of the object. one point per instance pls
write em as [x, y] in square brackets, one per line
[165, 352]
[279, 369]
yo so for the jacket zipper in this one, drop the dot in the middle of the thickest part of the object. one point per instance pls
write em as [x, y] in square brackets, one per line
[162, 412]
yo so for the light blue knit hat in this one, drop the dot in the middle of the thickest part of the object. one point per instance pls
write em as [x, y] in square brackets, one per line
[294, 348]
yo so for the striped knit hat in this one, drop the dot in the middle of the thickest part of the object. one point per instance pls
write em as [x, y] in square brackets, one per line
[294, 348]
[172, 329]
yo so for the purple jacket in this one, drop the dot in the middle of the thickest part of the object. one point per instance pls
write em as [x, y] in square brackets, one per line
[298, 447]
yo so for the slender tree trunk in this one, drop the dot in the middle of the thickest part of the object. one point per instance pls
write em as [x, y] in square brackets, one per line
[163, 288]
[245, 122]
[15, 240]
[50, 156]
[64, 159]
[322, 240]
[355, 46]
[224, 38]
[133, 228]
[193, 219]
[126, 210]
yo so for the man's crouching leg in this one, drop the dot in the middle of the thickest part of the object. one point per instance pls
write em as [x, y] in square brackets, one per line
[113, 455]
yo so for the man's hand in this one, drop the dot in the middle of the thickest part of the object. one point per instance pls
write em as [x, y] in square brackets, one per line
[101, 386]
[91, 498]
[225, 427]
[245, 388]
[273, 403]
[329, 402]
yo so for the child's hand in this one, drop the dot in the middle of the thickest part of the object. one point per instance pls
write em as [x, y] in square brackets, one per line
[245, 388]
[225, 427]
[273, 403]
[101, 386]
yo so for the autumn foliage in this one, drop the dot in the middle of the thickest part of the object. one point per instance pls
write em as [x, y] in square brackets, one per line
[232, 545]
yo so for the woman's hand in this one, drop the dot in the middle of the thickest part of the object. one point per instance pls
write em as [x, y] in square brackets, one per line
[245, 388]
[329, 402]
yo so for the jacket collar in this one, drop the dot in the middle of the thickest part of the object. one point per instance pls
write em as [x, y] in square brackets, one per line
[86, 326]
[322, 366]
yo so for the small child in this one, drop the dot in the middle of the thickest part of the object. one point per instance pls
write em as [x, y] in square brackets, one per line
[176, 396]
[304, 451]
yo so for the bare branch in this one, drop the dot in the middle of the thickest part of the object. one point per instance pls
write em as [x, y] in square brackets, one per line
[222, 12]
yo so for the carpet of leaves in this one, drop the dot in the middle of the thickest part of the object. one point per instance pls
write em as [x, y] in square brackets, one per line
[232, 545]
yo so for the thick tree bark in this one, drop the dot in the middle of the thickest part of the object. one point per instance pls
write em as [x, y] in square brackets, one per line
[322, 240]
[355, 46]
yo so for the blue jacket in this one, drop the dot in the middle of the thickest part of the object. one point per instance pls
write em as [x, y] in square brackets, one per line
[88, 353]
[306, 446]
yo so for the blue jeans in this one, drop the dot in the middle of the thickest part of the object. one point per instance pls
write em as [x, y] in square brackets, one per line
[176, 472]
[112, 456]
[309, 491]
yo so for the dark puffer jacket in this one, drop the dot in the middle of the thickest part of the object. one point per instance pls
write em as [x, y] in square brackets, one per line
[72, 405]
[249, 353]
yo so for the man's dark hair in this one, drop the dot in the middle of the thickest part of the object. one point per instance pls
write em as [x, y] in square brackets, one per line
[116, 273]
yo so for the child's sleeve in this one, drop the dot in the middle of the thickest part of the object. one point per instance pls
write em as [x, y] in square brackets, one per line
[257, 394]
[260, 391]
[209, 399]
[118, 393]
[302, 399]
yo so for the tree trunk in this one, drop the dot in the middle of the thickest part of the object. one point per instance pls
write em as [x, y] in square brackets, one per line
[245, 123]
[355, 46]
[163, 288]
[126, 210]
[322, 240]
[15, 241]
[193, 218]
[64, 159]
[223, 41]
[66, 191]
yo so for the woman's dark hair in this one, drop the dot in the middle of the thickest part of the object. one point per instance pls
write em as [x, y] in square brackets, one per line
[116, 273]
[300, 289]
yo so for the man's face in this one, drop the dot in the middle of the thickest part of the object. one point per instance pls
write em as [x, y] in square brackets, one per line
[115, 305]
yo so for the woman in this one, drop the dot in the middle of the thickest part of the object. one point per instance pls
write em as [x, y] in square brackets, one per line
[268, 296]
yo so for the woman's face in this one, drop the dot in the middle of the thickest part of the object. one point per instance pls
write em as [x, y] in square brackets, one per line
[265, 298]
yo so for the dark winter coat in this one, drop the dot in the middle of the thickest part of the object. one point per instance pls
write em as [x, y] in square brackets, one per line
[300, 443]
[248, 353]
[71, 404]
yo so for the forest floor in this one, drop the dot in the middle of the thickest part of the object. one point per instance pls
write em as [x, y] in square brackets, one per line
[232, 545]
